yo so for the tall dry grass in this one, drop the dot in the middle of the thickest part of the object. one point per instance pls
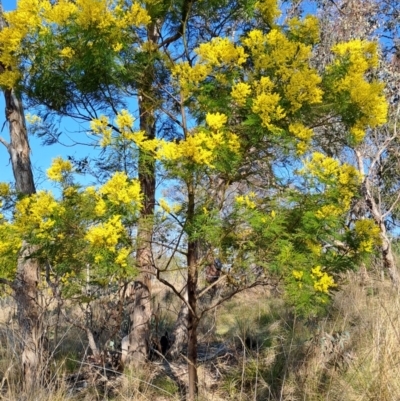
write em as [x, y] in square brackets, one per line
[351, 354]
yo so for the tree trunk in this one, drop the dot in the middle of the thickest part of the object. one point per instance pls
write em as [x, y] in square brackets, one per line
[27, 277]
[180, 331]
[192, 340]
[192, 301]
[18, 148]
[388, 256]
[29, 319]
[141, 316]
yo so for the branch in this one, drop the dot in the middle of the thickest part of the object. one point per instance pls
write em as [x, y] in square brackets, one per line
[4, 281]
[175, 291]
[236, 291]
[208, 288]
[5, 143]
[173, 248]
[395, 202]
[186, 8]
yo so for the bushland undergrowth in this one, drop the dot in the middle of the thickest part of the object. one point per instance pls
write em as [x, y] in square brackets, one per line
[251, 348]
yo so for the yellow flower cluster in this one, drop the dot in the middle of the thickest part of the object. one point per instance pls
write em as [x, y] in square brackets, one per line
[122, 257]
[368, 234]
[221, 51]
[367, 96]
[343, 177]
[34, 19]
[291, 63]
[266, 103]
[188, 77]
[314, 247]
[200, 146]
[164, 205]
[107, 234]
[67, 52]
[306, 30]
[120, 190]
[59, 169]
[34, 214]
[32, 119]
[100, 208]
[328, 211]
[136, 15]
[101, 126]
[10, 240]
[60, 12]
[5, 189]
[69, 192]
[240, 93]
[322, 281]
[269, 10]
[11, 37]
[124, 121]
[303, 133]
[298, 274]
[36, 207]
[246, 200]
[101, 14]
[216, 120]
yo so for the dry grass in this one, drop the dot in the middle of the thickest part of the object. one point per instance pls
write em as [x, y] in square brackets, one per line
[271, 355]
[352, 354]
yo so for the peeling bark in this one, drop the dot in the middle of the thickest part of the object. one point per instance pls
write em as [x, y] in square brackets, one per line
[29, 316]
[18, 148]
[26, 281]
[180, 331]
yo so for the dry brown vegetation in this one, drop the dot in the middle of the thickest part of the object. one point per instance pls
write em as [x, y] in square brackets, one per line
[251, 348]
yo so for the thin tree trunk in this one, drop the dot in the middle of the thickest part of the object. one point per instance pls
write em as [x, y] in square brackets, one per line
[192, 301]
[141, 316]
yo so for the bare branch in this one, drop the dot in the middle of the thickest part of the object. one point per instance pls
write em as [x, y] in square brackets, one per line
[236, 291]
[5, 143]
